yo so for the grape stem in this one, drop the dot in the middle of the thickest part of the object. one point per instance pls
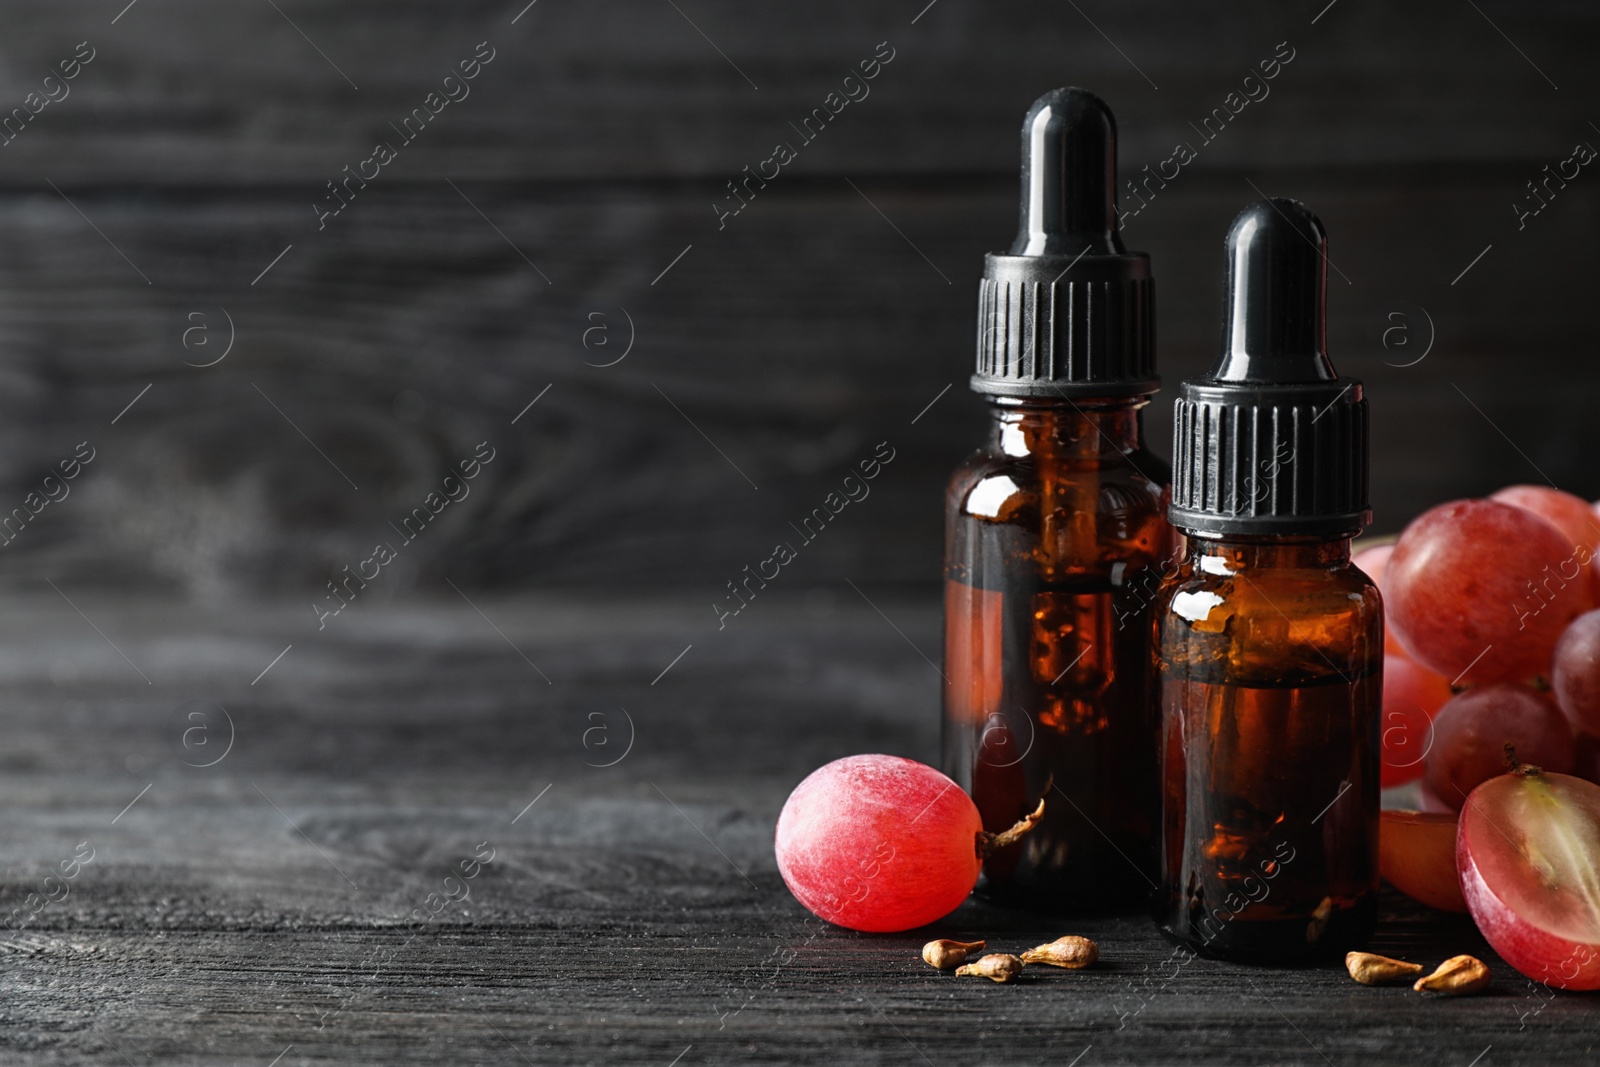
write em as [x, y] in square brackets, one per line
[1514, 766]
[988, 844]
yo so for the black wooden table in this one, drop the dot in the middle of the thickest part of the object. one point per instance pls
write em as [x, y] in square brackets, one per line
[407, 847]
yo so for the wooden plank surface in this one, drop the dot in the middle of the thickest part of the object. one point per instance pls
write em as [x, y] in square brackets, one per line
[631, 914]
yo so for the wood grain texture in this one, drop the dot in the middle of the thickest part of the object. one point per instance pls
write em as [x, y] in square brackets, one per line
[630, 914]
[775, 354]
[186, 93]
[172, 193]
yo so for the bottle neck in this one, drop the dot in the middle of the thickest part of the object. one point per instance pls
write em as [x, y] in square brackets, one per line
[1229, 555]
[1066, 427]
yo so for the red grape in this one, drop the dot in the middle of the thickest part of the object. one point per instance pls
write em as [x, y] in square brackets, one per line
[1575, 673]
[1417, 855]
[1471, 731]
[1570, 514]
[1373, 562]
[879, 843]
[1586, 759]
[1411, 696]
[1528, 849]
[1479, 591]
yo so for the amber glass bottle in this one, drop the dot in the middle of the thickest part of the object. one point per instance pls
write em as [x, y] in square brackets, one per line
[1269, 643]
[1056, 535]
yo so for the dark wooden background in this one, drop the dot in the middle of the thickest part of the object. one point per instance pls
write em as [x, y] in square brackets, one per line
[230, 907]
[806, 331]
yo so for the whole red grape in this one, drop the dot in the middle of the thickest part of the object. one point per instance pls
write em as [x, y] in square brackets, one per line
[1570, 514]
[879, 843]
[1470, 734]
[1411, 697]
[1586, 758]
[1575, 673]
[1479, 591]
[1428, 801]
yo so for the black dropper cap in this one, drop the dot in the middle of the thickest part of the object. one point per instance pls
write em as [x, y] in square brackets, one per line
[1068, 311]
[1273, 441]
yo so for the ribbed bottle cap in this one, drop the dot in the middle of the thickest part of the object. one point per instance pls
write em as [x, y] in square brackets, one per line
[1068, 311]
[1273, 441]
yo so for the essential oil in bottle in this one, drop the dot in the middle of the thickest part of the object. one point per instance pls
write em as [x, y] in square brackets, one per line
[1269, 644]
[1056, 534]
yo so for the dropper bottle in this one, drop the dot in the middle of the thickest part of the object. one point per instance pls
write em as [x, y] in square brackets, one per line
[1056, 535]
[1269, 643]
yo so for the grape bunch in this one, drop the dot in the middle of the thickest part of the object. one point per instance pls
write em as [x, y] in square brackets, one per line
[1493, 638]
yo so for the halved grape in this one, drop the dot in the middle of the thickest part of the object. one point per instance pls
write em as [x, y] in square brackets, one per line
[1471, 732]
[1417, 855]
[1528, 853]
[1480, 591]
